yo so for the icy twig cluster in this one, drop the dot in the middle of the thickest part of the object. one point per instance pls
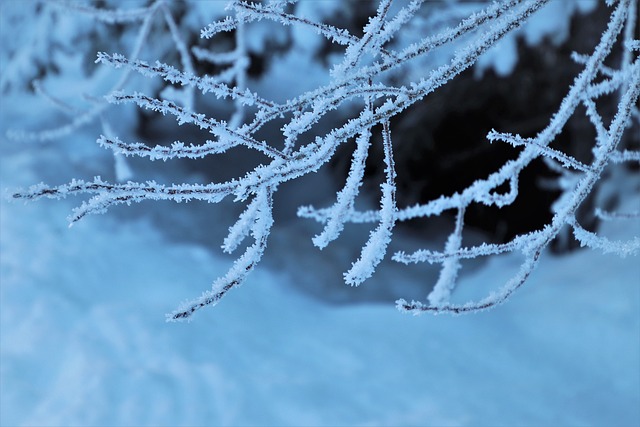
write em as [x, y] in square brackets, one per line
[359, 79]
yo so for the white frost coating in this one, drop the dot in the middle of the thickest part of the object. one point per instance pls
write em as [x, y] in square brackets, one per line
[206, 84]
[369, 41]
[625, 156]
[337, 214]
[241, 267]
[450, 267]
[485, 249]
[367, 99]
[592, 240]
[391, 27]
[241, 228]
[177, 150]
[376, 247]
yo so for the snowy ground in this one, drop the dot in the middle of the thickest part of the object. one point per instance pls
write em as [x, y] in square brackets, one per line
[84, 342]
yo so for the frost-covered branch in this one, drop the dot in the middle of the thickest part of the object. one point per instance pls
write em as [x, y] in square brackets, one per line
[360, 88]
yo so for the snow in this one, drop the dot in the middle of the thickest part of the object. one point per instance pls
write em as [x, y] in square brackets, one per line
[83, 337]
[84, 342]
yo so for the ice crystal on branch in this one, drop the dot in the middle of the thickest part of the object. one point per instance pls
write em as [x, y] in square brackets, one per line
[358, 86]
